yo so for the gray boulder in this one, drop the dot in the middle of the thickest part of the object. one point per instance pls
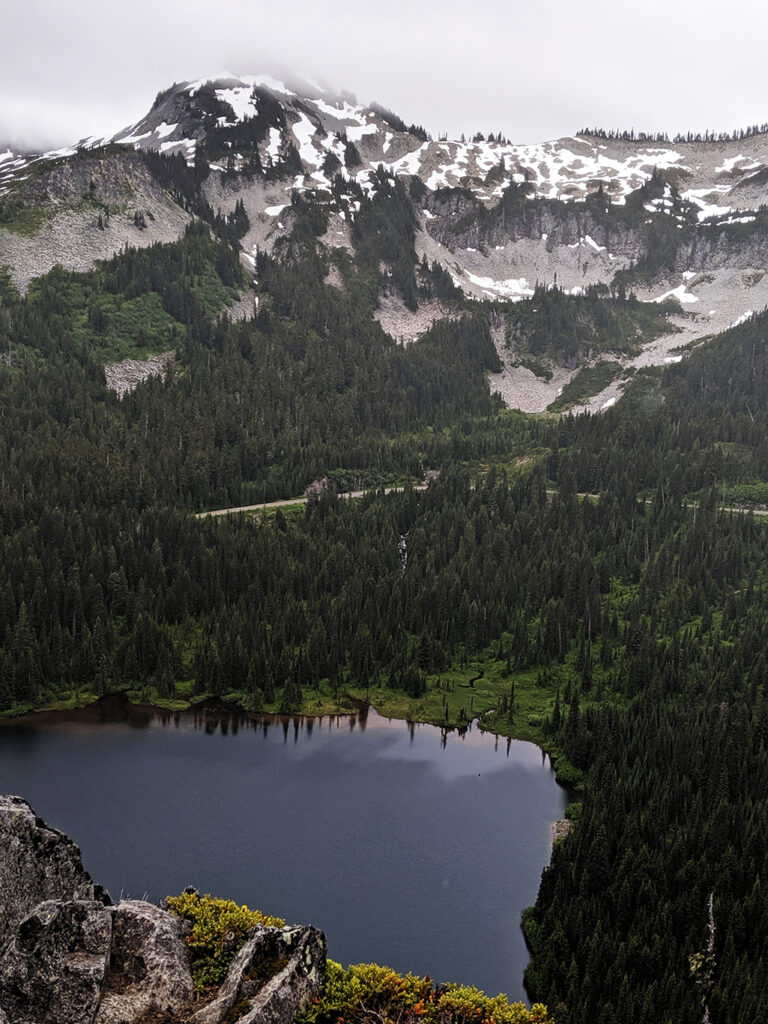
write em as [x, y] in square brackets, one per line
[53, 968]
[37, 863]
[276, 973]
[148, 965]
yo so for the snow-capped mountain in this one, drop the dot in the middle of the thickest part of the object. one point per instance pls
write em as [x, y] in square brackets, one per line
[499, 217]
[716, 177]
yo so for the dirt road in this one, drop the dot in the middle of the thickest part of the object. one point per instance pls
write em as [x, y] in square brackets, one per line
[265, 506]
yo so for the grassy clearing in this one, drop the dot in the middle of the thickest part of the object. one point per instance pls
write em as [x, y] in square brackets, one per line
[754, 494]
[24, 220]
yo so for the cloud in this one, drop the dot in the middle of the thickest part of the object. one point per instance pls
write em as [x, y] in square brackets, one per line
[71, 68]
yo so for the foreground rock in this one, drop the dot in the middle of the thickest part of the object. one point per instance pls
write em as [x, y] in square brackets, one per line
[276, 973]
[37, 863]
[148, 965]
[67, 956]
[53, 968]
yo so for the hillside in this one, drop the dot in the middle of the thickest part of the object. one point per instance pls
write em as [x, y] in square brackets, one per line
[290, 276]
[678, 222]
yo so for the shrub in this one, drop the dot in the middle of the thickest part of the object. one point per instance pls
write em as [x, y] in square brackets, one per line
[219, 930]
[368, 993]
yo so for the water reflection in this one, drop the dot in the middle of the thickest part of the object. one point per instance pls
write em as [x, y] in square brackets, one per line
[215, 717]
[384, 833]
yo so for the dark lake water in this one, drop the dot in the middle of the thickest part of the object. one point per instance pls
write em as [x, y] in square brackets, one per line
[408, 847]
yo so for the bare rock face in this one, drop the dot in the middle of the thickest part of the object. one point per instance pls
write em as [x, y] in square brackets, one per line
[53, 968]
[148, 964]
[37, 863]
[275, 974]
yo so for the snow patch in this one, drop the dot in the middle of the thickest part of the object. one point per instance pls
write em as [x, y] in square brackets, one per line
[728, 164]
[343, 111]
[164, 129]
[742, 319]
[680, 293]
[127, 140]
[267, 82]
[273, 147]
[513, 288]
[304, 130]
[698, 197]
[240, 100]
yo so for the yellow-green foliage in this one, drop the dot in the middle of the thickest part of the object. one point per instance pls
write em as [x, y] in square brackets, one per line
[219, 929]
[367, 992]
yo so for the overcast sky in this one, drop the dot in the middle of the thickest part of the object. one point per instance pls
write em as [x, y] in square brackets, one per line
[534, 71]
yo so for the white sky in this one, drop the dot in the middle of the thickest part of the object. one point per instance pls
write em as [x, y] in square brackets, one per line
[533, 70]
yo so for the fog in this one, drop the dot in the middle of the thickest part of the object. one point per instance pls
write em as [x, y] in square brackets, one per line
[531, 71]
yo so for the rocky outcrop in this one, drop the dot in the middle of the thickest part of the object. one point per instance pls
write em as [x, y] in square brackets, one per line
[84, 209]
[81, 962]
[67, 956]
[124, 376]
[37, 863]
[273, 976]
[53, 968]
[148, 966]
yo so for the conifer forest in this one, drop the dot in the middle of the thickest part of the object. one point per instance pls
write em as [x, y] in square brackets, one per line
[595, 583]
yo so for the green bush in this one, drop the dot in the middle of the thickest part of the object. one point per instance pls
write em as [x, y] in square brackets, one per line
[219, 930]
[367, 992]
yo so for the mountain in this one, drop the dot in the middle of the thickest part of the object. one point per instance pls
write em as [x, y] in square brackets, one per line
[678, 223]
[327, 293]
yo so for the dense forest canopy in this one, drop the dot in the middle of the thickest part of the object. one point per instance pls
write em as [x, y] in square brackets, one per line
[600, 571]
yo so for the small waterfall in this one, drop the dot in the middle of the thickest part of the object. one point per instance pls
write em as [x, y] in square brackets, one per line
[402, 550]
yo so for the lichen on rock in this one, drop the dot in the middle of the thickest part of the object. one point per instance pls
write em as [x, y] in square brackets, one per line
[37, 863]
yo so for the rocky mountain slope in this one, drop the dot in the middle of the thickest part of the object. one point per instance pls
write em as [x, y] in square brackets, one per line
[680, 222]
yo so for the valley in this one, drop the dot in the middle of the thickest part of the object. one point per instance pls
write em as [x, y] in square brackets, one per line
[261, 291]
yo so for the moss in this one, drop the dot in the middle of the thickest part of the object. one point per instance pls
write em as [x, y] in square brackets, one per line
[267, 969]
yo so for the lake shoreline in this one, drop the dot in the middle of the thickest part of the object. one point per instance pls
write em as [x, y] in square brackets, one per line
[58, 711]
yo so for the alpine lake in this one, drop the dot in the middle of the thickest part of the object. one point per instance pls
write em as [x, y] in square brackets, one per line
[407, 845]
